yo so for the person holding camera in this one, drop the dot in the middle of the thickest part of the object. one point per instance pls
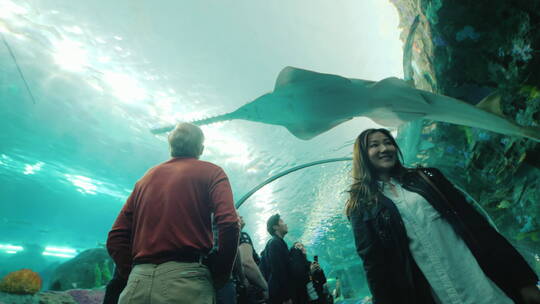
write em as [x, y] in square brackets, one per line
[300, 271]
[308, 277]
[319, 280]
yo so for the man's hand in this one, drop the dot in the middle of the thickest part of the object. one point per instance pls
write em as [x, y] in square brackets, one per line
[530, 294]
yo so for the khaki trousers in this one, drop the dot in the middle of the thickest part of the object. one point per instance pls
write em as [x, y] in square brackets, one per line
[170, 282]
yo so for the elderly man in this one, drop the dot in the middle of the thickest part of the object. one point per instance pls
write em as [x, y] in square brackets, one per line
[164, 231]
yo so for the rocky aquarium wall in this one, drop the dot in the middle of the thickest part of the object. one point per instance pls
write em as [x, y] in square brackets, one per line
[469, 50]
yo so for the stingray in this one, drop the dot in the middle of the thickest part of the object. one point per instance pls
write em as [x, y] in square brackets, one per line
[308, 104]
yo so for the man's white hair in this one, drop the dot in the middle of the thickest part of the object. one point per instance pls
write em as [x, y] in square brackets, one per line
[186, 140]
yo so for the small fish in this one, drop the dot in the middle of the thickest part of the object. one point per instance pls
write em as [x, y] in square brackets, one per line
[308, 103]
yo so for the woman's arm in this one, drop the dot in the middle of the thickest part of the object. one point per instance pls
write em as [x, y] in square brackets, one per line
[368, 247]
[508, 263]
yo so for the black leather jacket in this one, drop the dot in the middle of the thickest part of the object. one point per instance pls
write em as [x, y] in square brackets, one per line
[279, 278]
[382, 243]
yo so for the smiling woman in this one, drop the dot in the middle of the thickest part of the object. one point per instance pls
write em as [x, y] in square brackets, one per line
[382, 154]
[414, 224]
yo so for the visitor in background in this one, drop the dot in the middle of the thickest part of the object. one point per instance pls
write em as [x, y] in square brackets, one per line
[275, 263]
[257, 289]
[421, 241]
[240, 280]
[300, 271]
[319, 281]
[336, 293]
[165, 228]
[308, 277]
[234, 289]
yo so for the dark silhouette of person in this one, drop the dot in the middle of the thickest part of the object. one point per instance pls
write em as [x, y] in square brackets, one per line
[276, 263]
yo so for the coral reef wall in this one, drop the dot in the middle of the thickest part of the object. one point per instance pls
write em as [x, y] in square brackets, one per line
[468, 50]
[90, 269]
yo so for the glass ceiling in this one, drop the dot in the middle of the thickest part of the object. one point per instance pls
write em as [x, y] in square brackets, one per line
[83, 82]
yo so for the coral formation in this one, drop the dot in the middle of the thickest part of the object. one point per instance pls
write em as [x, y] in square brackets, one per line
[23, 281]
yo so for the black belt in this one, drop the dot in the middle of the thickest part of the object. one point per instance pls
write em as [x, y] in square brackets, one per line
[183, 257]
[189, 259]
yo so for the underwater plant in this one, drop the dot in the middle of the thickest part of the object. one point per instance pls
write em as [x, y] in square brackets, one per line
[23, 281]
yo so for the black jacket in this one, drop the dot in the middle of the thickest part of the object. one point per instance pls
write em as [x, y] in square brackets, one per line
[300, 275]
[276, 255]
[382, 243]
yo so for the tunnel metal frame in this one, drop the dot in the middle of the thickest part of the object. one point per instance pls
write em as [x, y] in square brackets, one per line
[241, 201]
[246, 196]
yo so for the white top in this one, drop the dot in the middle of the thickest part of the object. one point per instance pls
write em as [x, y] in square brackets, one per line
[444, 258]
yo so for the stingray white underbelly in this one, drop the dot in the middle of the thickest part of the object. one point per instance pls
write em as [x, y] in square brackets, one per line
[308, 103]
[394, 102]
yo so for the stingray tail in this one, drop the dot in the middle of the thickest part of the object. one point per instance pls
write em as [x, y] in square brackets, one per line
[198, 122]
[408, 72]
[532, 133]
[492, 104]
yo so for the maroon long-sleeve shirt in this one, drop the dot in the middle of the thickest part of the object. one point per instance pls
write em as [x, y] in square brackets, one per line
[169, 212]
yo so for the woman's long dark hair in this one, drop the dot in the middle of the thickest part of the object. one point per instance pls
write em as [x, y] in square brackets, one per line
[364, 189]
